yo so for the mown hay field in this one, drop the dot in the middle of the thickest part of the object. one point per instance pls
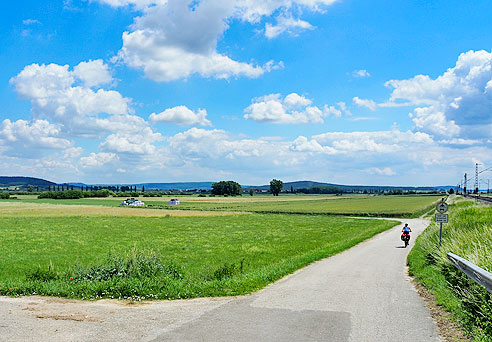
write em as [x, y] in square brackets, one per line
[390, 206]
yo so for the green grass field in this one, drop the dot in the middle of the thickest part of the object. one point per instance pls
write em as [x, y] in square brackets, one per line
[173, 257]
[469, 235]
[388, 206]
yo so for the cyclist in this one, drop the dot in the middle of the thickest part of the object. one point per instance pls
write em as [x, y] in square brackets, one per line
[406, 229]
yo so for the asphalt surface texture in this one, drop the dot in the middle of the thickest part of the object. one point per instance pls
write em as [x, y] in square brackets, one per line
[362, 294]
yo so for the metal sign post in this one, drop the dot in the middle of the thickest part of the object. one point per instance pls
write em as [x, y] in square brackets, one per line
[442, 217]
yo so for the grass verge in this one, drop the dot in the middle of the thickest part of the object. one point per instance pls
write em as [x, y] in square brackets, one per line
[469, 235]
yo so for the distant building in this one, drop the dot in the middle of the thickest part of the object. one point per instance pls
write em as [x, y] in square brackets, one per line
[173, 201]
[132, 202]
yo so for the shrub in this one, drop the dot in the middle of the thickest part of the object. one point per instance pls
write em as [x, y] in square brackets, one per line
[135, 264]
[40, 274]
[4, 195]
[69, 194]
[228, 270]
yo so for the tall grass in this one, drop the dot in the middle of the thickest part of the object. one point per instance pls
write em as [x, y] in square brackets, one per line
[469, 235]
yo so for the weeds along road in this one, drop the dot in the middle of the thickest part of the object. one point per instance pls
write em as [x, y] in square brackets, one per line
[362, 294]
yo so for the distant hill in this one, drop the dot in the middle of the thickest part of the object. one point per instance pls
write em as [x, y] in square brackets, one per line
[349, 188]
[23, 182]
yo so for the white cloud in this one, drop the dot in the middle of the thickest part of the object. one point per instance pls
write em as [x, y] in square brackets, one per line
[457, 103]
[54, 95]
[372, 142]
[293, 109]
[360, 73]
[177, 39]
[460, 142]
[332, 110]
[31, 22]
[23, 138]
[182, 115]
[254, 10]
[385, 171]
[131, 143]
[363, 118]
[173, 41]
[202, 144]
[370, 104]
[97, 159]
[286, 24]
[302, 144]
[93, 73]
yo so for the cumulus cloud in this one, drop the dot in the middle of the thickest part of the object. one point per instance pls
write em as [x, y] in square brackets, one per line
[456, 103]
[182, 115]
[360, 73]
[53, 92]
[93, 73]
[97, 159]
[286, 24]
[177, 39]
[206, 145]
[131, 143]
[293, 109]
[369, 104]
[24, 138]
[372, 142]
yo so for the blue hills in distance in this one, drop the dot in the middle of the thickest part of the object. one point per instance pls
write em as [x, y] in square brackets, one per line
[23, 182]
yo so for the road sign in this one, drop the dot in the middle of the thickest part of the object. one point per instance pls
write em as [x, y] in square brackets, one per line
[442, 218]
[442, 207]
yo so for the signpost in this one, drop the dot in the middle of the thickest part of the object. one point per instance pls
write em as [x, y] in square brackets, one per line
[442, 217]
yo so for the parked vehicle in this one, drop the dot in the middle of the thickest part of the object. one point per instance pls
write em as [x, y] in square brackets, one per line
[132, 202]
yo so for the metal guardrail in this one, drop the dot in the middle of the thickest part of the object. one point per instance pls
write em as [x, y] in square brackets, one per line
[477, 274]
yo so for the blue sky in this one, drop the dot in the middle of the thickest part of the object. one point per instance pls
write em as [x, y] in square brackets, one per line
[354, 92]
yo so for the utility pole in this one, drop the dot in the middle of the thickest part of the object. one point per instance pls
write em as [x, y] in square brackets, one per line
[464, 186]
[476, 178]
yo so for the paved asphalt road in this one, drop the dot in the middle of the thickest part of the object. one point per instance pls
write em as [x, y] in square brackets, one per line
[362, 294]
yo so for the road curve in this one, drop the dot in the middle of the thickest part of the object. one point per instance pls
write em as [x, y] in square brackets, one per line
[362, 294]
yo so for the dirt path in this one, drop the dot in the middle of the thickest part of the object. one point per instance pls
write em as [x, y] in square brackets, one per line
[362, 294]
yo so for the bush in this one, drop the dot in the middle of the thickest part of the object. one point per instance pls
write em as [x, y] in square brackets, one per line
[4, 195]
[69, 194]
[98, 193]
[74, 194]
[135, 264]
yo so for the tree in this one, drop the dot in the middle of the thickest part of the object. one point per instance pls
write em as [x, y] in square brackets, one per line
[30, 188]
[451, 191]
[143, 188]
[276, 186]
[229, 188]
[291, 189]
[251, 192]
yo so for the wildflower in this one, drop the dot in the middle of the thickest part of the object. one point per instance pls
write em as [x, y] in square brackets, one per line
[71, 278]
